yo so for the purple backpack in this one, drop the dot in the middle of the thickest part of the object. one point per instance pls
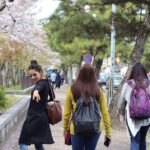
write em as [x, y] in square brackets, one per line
[139, 107]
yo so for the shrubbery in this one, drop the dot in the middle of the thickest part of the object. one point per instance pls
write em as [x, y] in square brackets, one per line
[2, 97]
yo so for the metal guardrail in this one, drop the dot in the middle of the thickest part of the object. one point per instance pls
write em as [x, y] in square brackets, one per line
[11, 117]
[19, 92]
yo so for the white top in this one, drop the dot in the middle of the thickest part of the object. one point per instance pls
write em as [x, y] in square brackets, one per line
[53, 77]
[134, 125]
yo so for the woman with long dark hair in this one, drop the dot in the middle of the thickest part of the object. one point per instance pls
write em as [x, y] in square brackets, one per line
[36, 128]
[137, 128]
[86, 86]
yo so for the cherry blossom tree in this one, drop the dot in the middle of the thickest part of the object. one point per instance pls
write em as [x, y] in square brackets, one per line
[22, 39]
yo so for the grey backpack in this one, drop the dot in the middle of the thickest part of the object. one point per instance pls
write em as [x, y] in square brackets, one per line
[86, 117]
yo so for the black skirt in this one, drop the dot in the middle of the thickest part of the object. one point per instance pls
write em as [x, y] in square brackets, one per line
[36, 130]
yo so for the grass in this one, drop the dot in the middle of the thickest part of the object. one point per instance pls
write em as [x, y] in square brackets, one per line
[16, 87]
[10, 101]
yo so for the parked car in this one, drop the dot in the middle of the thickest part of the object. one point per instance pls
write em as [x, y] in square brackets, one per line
[117, 81]
[102, 79]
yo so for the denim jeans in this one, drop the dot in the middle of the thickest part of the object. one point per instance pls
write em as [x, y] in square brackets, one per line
[139, 141]
[84, 142]
[37, 147]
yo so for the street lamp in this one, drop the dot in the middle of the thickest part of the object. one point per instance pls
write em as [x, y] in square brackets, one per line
[112, 70]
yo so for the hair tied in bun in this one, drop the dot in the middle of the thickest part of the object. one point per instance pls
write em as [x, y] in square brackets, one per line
[34, 62]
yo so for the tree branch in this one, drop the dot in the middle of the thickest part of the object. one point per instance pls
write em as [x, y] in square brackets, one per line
[2, 5]
[107, 2]
[141, 39]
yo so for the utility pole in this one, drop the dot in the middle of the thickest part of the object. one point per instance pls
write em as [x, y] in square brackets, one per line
[112, 70]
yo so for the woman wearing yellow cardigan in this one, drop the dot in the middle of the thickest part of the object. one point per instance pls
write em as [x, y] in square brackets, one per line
[86, 84]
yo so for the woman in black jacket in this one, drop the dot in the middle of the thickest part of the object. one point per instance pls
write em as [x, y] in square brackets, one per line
[36, 128]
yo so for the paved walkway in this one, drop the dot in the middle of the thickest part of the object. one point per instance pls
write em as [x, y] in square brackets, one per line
[119, 137]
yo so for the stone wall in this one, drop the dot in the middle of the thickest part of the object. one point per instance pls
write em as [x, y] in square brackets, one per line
[10, 118]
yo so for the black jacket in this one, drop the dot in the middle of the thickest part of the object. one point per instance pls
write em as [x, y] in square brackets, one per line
[36, 129]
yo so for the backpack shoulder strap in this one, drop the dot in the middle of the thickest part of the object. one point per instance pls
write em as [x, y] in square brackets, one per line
[147, 89]
[130, 83]
[148, 82]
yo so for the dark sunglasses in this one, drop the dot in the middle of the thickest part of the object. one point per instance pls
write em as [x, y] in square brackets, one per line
[33, 75]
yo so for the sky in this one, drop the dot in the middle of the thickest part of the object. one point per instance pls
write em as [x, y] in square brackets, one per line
[44, 8]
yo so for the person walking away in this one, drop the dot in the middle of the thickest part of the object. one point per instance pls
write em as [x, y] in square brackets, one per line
[58, 80]
[137, 127]
[53, 79]
[35, 129]
[86, 87]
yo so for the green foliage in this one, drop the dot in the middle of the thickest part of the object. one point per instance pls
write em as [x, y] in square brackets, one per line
[124, 49]
[2, 97]
[15, 87]
[146, 56]
[72, 31]
[10, 100]
[128, 19]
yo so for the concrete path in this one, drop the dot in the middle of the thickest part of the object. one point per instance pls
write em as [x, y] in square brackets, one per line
[119, 137]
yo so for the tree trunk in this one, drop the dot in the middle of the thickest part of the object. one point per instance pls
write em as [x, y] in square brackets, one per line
[4, 71]
[65, 76]
[70, 74]
[136, 56]
[65, 71]
[2, 5]
[98, 65]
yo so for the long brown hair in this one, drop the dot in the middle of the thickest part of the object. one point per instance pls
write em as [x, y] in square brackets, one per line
[86, 84]
[138, 72]
[139, 75]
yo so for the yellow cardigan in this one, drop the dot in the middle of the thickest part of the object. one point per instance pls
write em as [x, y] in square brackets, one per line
[70, 105]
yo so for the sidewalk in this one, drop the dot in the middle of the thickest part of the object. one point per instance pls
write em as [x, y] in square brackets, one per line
[119, 138]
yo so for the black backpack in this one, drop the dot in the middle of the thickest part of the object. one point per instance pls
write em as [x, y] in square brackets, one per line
[86, 117]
